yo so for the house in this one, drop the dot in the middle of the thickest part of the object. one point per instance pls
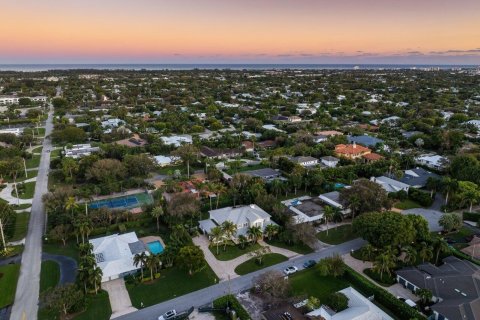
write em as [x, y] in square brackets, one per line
[455, 286]
[114, 254]
[248, 146]
[177, 140]
[319, 138]
[80, 150]
[305, 161]
[333, 199]
[329, 161]
[243, 217]
[304, 209]
[432, 161]
[132, 142]
[359, 308]
[372, 157]
[112, 123]
[351, 151]
[417, 177]
[390, 185]
[329, 133]
[267, 174]
[213, 153]
[15, 131]
[164, 161]
[475, 123]
[365, 140]
[267, 144]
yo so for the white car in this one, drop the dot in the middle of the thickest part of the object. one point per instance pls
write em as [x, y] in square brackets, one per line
[290, 270]
[168, 315]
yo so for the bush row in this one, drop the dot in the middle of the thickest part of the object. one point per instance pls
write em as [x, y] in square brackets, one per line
[423, 198]
[231, 302]
[471, 216]
[397, 307]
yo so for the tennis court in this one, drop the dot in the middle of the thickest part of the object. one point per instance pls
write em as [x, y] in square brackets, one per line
[126, 202]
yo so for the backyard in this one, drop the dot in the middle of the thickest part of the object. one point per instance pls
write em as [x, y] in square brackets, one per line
[337, 235]
[8, 283]
[252, 264]
[173, 282]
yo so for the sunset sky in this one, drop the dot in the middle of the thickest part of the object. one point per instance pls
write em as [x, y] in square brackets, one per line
[240, 31]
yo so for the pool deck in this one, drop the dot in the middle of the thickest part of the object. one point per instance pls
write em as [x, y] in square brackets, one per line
[114, 195]
[149, 239]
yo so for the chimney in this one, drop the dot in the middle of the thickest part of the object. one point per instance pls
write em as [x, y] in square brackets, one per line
[354, 145]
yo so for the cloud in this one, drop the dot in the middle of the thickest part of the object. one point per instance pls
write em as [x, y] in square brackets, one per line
[456, 51]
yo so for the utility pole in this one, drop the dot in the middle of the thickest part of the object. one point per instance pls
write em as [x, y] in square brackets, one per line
[3, 237]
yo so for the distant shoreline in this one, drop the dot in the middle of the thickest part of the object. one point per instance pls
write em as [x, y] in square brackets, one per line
[160, 67]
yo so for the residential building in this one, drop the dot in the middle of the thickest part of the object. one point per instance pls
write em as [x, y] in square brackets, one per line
[365, 140]
[329, 161]
[267, 174]
[177, 140]
[248, 146]
[390, 185]
[417, 177]
[15, 131]
[213, 153]
[243, 217]
[351, 151]
[80, 150]
[329, 133]
[455, 286]
[164, 161]
[114, 254]
[112, 123]
[8, 100]
[305, 209]
[333, 199]
[359, 308]
[305, 161]
[433, 161]
[132, 142]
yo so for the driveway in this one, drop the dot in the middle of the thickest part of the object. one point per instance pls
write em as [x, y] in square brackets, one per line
[432, 216]
[119, 298]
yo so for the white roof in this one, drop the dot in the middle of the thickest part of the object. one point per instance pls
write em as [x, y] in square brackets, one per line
[359, 308]
[390, 185]
[177, 140]
[165, 159]
[239, 215]
[114, 255]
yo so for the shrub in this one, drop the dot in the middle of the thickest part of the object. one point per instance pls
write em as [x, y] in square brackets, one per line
[337, 301]
[471, 216]
[397, 307]
[386, 280]
[423, 198]
[231, 302]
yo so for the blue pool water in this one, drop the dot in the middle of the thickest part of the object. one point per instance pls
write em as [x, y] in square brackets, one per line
[339, 185]
[155, 247]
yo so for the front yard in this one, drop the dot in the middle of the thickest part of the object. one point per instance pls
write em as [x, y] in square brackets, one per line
[296, 247]
[251, 265]
[309, 283]
[173, 282]
[407, 204]
[337, 235]
[8, 283]
[49, 275]
[232, 251]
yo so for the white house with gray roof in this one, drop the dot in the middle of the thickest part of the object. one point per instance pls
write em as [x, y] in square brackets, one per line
[243, 217]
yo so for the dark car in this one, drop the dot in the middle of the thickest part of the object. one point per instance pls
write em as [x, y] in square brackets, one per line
[309, 264]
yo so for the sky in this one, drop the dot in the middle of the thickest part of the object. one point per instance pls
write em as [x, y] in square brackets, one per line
[240, 31]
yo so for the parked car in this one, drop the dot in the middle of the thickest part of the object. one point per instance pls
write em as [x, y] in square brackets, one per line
[290, 270]
[168, 315]
[309, 264]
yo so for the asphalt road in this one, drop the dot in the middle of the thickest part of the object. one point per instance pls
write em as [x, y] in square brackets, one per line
[207, 295]
[25, 306]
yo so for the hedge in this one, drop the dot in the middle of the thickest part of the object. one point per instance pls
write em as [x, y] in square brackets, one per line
[471, 216]
[390, 302]
[423, 198]
[232, 302]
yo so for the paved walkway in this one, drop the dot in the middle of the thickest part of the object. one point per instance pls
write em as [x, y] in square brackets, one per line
[119, 298]
[226, 269]
[397, 289]
[6, 194]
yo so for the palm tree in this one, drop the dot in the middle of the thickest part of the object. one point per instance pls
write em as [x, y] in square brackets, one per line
[410, 255]
[83, 276]
[84, 227]
[219, 189]
[432, 185]
[277, 187]
[188, 153]
[271, 230]
[425, 252]
[229, 230]
[384, 262]
[217, 236]
[470, 196]
[242, 240]
[71, 204]
[367, 252]
[85, 249]
[95, 277]
[254, 233]
[439, 245]
[151, 262]
[354, 204]
[449, 185]
[140, 259]
[328, 214]
[156, 213]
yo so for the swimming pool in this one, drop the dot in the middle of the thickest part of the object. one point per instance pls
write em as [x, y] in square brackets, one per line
[155, 247]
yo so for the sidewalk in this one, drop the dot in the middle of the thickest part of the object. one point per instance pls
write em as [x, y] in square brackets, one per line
[6, 193]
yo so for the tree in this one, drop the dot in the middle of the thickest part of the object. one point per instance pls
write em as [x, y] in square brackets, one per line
[425, 295]
[425, 252]
[367, 252]
[368, 196]
[151, 262]
[272, 286]
[182, 205]
[242, 240]
[69, 168]
[69, 134]
[469, 193]
[188, 153]
[433, 184]
[138, 165]
[303, 233]
[217, 235]
[61, 232]
[156, 213]
[410, 255]
[229, 230]
[254, 233]
[259, 254]
[106, 171]
[62, 298]
[140, 259]
[331, 266]
[449, 185]
[439, 245]
[384, 262]
[337, 301]
[313, 303]
[450, 222]
[191, 258]
[328, 214]
[271, 230]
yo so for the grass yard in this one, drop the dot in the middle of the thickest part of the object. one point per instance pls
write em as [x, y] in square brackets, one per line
[232, 251]
[37, 149]
[21, 176]
[172, 283]
[460, 235]
[310, 283]
[251, 265]
[245, 168]
[21, 206]
[21, 226]
[337, 235]
[55, 153]
[8, 283]
[407, 204]
[33, 162]
[70, 250]
[300, 248]
[11, 251]
[27, 192]
[49, 275]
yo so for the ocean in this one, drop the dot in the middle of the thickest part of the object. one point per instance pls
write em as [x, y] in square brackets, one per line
[46, 67]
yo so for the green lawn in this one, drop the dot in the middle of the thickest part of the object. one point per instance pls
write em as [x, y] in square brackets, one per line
[55, 153]
[251, 265]
[33, 162]
[460, 235]
[8, 283]
[173, 282]
[98, 308]
[54, 247]
[310, 283]
[22, 206]
[337, 235]
[21, 176]
[245, 168]
[12, 251]
[232, 251]
[407, 204]
[21, 226]
[49, 275]
[298, 247]
[37, 149]
[27, 192]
